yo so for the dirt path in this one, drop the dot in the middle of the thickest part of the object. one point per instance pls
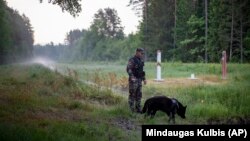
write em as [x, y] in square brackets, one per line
[187, 82]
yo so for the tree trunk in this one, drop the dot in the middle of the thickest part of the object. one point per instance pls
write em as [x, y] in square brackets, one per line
[146, 29]
[241, 43]
[206, 26]
[175, 16]
[232, 28]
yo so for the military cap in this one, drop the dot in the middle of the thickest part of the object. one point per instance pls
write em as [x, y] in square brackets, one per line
[140, 49]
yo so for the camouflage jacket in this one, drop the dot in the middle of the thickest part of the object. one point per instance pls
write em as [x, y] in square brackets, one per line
[135, 68]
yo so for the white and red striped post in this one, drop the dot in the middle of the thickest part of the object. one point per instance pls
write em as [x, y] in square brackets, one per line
[224, 65]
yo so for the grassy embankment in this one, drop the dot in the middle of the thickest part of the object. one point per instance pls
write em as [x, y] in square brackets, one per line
[210, 99]
[39, 104]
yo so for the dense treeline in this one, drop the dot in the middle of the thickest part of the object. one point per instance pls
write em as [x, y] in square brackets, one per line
[185, 30]
[16, 35]
[178, 27]
[103, 41]
[86, 48]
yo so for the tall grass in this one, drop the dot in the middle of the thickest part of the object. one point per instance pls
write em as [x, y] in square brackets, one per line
[39, 104]
[212, 97]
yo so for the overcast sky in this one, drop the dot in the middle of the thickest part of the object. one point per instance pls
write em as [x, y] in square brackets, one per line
[51, 24]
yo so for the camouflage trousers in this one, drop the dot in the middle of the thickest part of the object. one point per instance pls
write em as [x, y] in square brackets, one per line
[135, 95]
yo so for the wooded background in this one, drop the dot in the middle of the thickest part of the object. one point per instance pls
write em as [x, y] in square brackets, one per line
[185, 31]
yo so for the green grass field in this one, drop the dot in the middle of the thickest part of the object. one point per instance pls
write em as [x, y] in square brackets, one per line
[37, 103]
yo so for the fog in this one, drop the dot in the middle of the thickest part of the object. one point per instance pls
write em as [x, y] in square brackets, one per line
[46, 62]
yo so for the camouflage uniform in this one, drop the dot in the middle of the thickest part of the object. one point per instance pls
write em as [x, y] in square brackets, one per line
[135, 71]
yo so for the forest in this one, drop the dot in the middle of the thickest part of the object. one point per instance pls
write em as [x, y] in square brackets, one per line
[16, 35]
[184, 30]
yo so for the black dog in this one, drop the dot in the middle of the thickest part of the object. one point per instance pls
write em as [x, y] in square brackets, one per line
[170, 106]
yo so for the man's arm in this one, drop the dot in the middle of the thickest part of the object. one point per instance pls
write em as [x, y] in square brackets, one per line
[130, 67]
[144, 77]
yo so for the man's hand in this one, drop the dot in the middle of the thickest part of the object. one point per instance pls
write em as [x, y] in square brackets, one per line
[145, 82]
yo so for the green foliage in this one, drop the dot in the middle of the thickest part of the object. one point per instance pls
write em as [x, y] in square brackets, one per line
[192, 46]
[247, 46]
[89, 47]
[225, 19]
[16, 42]
[156, 28]
[181, 41]
[73, 36]
[184, 12]
[218, 31]
[106, 23]
[5, 40]
[71, 6]
[227, 30]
